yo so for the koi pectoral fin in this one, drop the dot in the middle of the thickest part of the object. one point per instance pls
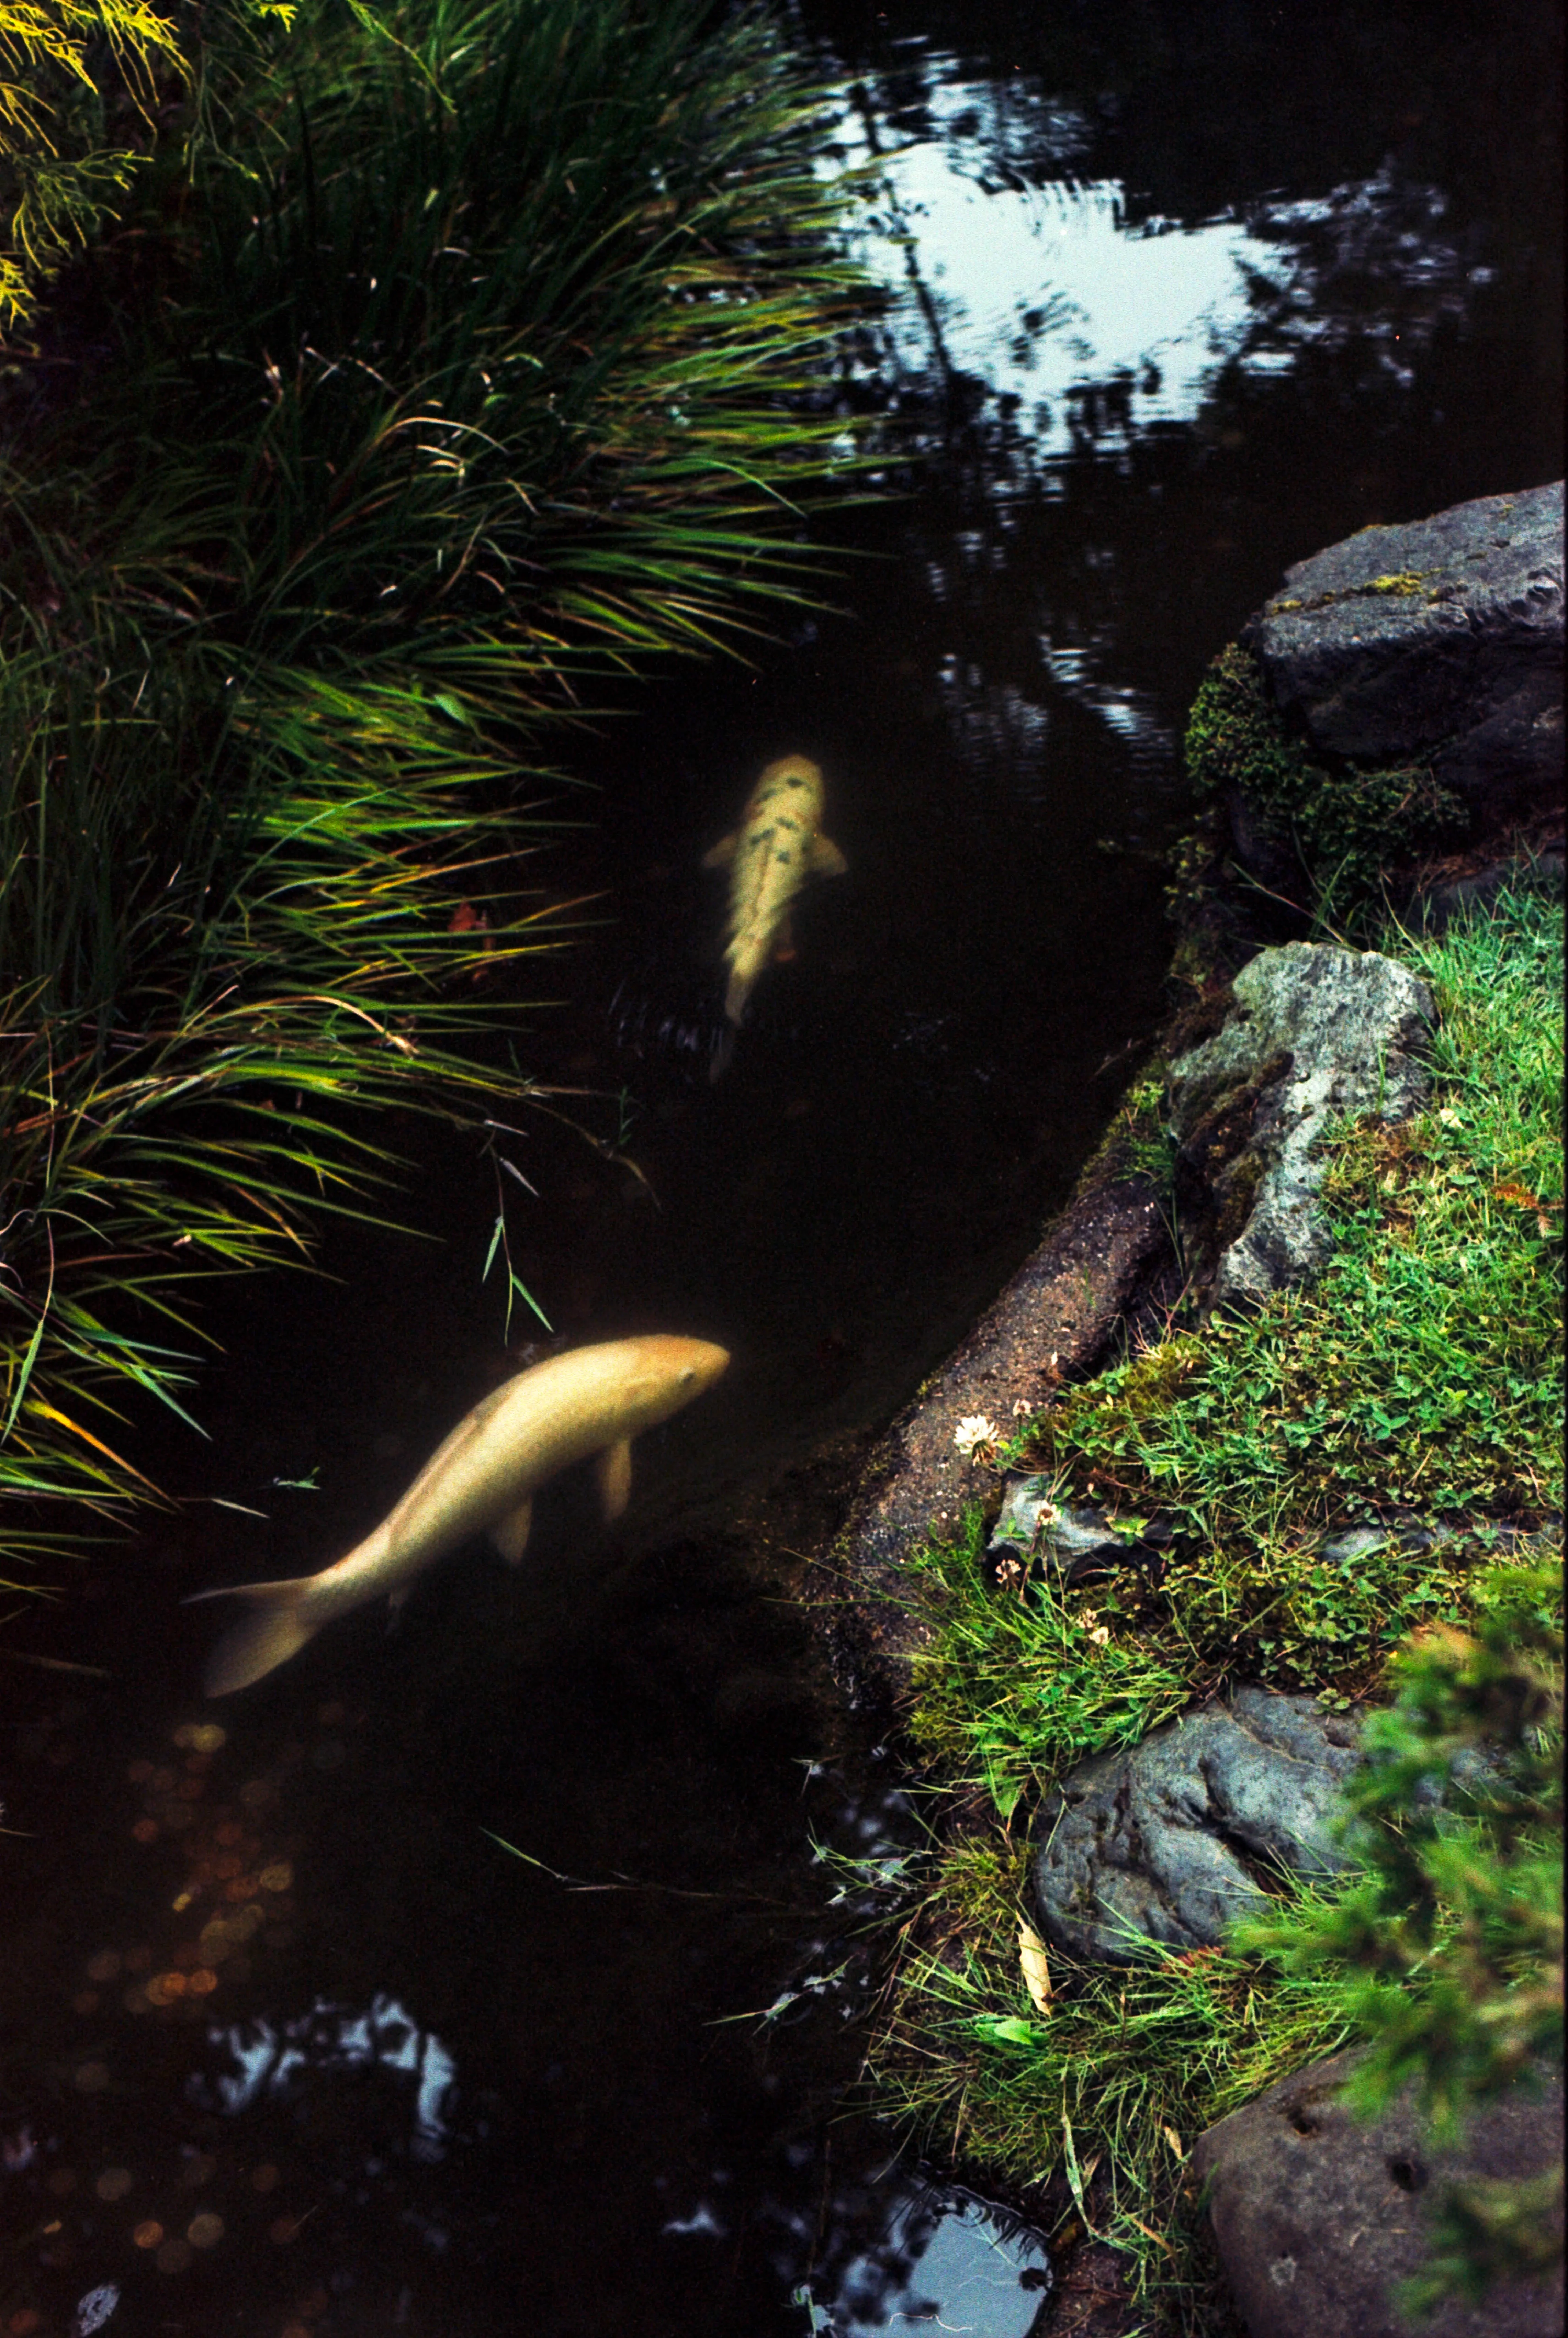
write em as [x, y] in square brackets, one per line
[826, 859]
[784, 943]
[510, 1533]
[613, 1471]
[722, 853]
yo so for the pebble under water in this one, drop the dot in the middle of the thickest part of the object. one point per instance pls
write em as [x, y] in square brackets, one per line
[505, 1971]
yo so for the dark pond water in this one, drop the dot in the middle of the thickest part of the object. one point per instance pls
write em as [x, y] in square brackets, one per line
[1185, 295]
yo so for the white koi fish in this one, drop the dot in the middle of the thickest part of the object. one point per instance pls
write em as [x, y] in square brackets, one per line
[777, 845]
[482, 1480]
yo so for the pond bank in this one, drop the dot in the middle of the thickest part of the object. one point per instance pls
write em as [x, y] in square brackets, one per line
[1000, 1688]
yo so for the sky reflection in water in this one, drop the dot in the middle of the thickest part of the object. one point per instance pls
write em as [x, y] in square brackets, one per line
[328, 2038]
[946, 2264]
[1041, 285]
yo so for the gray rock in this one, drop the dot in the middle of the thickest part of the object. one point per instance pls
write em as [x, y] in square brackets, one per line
[1079, 1541]
[1343, 1550]
[1435, 905]
[1318, 2216]
[1317, 1032]
[1441, 640]
[1150, 1843]
[1482, 1535]
[1543, 1542]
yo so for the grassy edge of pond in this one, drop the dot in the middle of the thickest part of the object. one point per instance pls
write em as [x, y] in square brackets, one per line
[1419, 1374]
[306, 581]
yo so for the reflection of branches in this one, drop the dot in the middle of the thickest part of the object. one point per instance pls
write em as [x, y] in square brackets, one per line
[1361, 263]
[904, 234]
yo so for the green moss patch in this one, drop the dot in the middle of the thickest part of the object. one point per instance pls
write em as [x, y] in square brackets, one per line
[1347, 824]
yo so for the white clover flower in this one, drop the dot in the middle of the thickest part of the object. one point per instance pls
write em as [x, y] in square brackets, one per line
[974, 1430]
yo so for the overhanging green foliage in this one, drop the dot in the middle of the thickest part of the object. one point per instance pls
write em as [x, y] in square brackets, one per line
[1448, 1946]
[485, 360]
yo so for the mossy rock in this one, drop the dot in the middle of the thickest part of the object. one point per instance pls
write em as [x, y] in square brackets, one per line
[1325, 832]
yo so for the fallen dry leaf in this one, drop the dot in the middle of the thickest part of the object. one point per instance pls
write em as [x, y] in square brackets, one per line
[1036, 1971]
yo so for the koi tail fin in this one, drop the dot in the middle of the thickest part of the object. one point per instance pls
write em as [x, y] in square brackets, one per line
[722, 1057]
[261, 1641]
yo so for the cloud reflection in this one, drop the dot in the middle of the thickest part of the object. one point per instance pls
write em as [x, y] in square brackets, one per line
[1049, 291]
[942, 2261]
[273, 2056]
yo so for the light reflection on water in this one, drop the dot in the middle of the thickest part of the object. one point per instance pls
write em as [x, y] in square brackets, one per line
[1061, 298]
[328, 2038]
[944, 2261]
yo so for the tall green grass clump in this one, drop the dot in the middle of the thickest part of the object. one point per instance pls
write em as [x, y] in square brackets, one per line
[1087, 2109]
[1415, 1390]
[486, 356]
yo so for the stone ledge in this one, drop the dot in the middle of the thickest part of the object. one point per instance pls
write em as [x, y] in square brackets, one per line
[1440, 639]
[1053, 1322]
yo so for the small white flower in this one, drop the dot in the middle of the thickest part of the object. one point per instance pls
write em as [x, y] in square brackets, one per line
[974, 1430]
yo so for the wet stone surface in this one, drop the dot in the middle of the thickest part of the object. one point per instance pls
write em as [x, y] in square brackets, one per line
[1319, 2215]
[1316, 1033]
[1152, 1843]
[1441, 640]
[1051, 1323]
